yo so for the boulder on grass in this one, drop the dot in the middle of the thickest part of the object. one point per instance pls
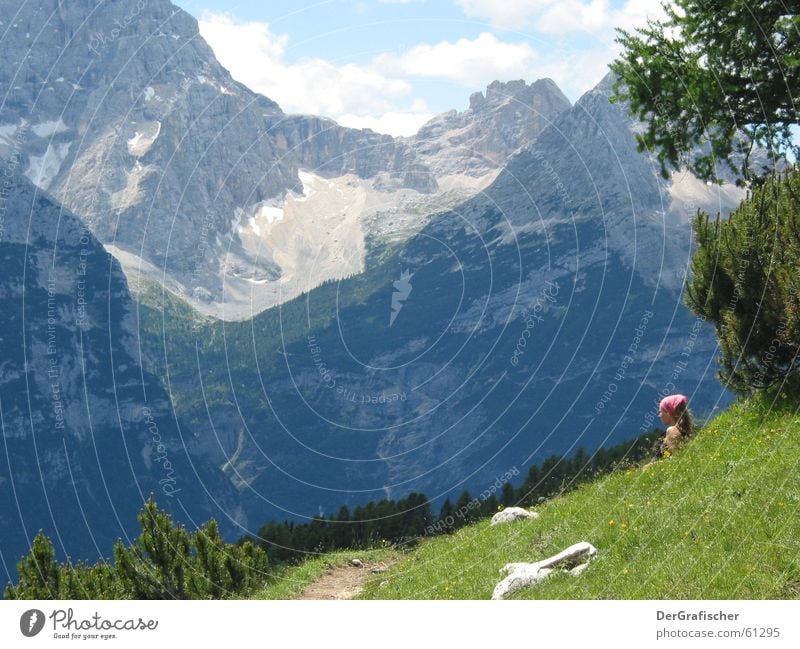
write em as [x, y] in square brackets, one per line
[520, 575]
[512, 514]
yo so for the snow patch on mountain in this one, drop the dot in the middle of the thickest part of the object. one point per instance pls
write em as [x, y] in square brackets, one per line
[50, 128]
[689, 194]
[143, 138]
[7, 133]
[44, 168]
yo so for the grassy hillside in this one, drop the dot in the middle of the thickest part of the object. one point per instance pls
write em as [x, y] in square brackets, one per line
[719, 520]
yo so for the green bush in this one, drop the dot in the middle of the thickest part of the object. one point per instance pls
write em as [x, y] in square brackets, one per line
[165, 562]
[746, 282]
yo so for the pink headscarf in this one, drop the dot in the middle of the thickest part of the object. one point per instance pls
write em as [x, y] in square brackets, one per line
[670, 403]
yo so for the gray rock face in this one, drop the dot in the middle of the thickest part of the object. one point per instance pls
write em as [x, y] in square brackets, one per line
[483, 137]
[330, 150]
[87, 433]
[124, 114]
[130, 122]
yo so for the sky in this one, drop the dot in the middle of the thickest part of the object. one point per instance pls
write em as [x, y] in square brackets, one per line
[390, 65]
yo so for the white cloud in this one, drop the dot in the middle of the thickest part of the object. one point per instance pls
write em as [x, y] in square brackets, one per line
[256, 57]
[476, 63]
[576, 72]
[576, 67]
[380, 94]
[473, 63]
[561, 17]
[395, 123]
[596, 17]
[508, 14]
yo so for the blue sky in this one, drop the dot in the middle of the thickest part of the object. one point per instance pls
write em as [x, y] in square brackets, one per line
[392, 64]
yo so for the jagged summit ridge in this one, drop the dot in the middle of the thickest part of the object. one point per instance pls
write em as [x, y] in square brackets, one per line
[187, 175]
[482, 138]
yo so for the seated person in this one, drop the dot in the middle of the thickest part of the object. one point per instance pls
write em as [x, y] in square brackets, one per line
[674, 412]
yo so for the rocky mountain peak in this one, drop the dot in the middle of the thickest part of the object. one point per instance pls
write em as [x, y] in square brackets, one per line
[517, 91]
[509, 115]
[605, 85]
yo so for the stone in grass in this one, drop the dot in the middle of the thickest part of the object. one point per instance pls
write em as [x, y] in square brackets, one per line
[574, 559]
[512, 514]
[357, 563]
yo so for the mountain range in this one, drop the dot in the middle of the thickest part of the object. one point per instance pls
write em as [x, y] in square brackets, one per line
[298, 315]
[195, 181]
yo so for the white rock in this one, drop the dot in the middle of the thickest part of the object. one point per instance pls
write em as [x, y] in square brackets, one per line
[524, 574]
[512, 514]
[7, 132]
[572, 556]
[575, 559]
[357, 563]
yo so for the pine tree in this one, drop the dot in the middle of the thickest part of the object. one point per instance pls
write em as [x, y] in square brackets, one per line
[417, 514]
[246, 567]
[208, 578]
[531, 489]
[508, 497]
[165, 562]
[579, 462]
[490, 506]
[343, 529]
[155, 565]
[446, 515]
[86, 581]
[714, 69]
[39, 576]
[464, 509]
[745, 282]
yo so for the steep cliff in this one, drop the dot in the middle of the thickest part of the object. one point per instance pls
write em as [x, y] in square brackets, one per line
[87, 433]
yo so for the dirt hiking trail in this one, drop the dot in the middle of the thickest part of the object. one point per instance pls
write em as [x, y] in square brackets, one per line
[344, 582]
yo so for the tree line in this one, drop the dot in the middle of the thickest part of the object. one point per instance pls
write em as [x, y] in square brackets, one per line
[402, 522]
